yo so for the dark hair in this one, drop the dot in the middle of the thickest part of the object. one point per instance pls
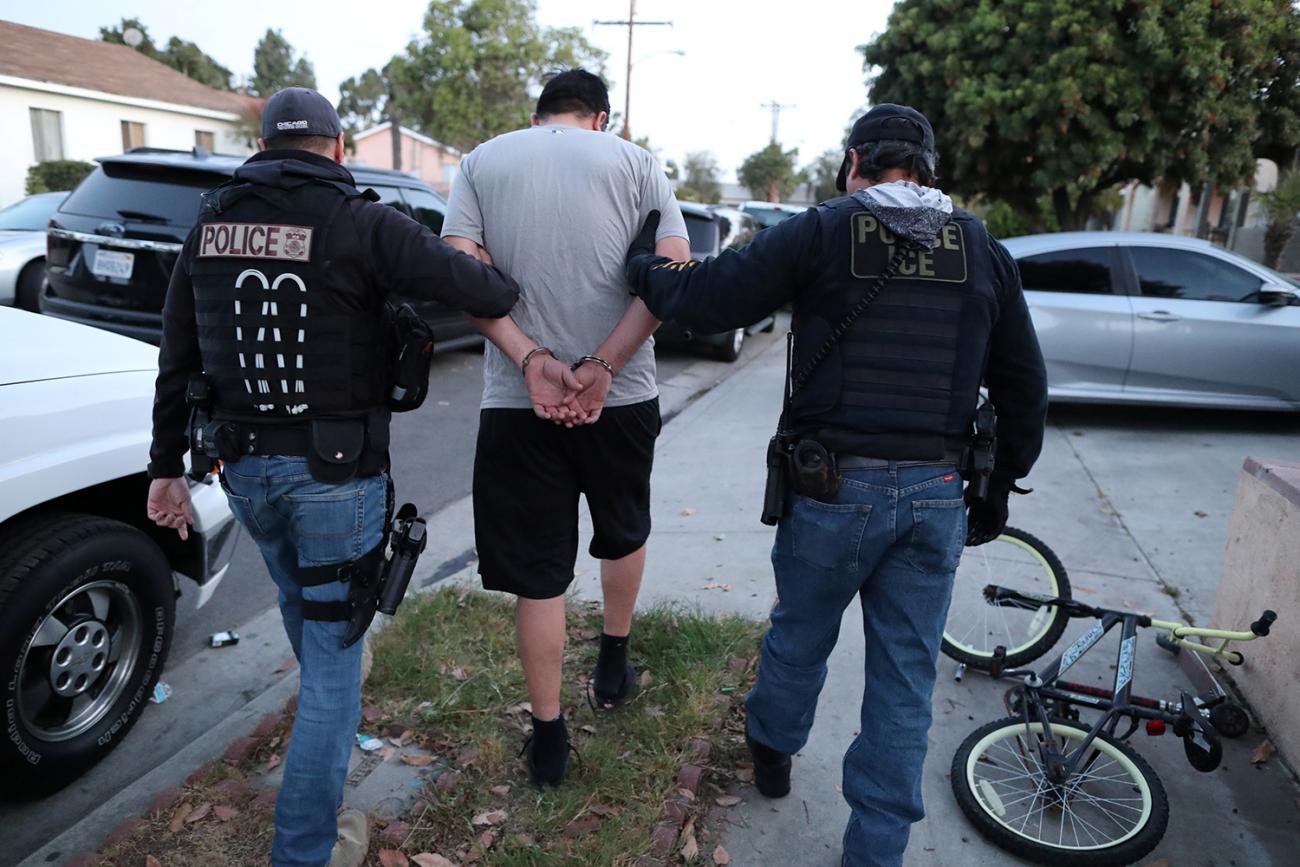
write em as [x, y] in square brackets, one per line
[877, 157]
[320, 144]
[575, 91]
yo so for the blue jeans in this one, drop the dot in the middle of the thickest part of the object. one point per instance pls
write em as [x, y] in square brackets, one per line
[892, 538]
[298, 521]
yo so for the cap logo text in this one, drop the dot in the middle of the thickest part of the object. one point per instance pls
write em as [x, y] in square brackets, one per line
[291, 124]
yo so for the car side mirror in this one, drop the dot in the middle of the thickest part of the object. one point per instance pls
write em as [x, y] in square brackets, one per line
[1275, 295]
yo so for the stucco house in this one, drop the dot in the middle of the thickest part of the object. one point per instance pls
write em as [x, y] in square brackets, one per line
[63, 97]
[431, 161]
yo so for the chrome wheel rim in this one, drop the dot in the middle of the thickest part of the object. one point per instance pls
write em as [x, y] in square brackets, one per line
[737, 340]
[79, 660]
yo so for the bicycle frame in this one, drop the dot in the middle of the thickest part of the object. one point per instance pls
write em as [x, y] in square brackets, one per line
[1120, 702]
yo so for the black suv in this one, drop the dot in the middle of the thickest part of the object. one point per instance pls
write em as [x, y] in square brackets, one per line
[114, 240]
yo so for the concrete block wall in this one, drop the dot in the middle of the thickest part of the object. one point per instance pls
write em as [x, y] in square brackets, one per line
[1261, 569]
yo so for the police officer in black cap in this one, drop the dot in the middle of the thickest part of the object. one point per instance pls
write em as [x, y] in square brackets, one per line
[904, 306]
[274, 325]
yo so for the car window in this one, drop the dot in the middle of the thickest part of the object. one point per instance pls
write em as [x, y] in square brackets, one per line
[142, 193]
[704, 235]
[392, 197]
[30, 214]
[1169, 273]
[1084, 271]
[768, 217]
[426, 207]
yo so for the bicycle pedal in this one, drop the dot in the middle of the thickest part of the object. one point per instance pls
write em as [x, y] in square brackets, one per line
[998, 663]
[960, 673]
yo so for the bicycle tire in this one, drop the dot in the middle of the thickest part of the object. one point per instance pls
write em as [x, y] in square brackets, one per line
[981, 808]
[1043, 638]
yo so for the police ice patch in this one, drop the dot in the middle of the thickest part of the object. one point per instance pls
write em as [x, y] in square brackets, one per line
[873, 247]
[255, 241]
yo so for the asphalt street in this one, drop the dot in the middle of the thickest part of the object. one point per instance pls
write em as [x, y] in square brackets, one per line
[433, 457]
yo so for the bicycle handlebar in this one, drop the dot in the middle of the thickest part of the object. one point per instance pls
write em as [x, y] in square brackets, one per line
[1260, 627]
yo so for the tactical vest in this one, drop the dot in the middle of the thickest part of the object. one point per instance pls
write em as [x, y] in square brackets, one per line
[905, 378]
[281, 340]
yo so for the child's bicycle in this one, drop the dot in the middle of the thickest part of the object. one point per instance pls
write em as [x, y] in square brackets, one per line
[1043, 785]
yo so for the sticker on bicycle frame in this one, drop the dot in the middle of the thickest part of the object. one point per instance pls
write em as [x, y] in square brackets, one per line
[1125, 672]
[1080, 647]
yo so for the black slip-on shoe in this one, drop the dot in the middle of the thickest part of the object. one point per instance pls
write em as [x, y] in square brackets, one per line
[547, 767]
[608, 702]
[771, 769]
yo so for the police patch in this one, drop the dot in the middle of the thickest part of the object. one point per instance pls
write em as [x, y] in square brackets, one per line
[873, 246]
[255, 241]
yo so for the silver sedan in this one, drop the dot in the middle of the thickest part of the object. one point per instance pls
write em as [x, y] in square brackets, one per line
[1159, 319]
[22, 248]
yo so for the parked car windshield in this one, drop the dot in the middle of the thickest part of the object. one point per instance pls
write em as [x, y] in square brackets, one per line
[142, 193]
[1280, 277]
[768, 217]
[32, 213]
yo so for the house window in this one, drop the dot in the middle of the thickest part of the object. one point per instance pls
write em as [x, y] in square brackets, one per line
[132, 135]
[47, 134]
[205, 140]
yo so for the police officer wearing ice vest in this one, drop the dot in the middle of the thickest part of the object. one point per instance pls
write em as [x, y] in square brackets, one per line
[903, 307]
[275, 329]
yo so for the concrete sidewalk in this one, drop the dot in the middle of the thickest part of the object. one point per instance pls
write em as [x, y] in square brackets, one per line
[1093, 504]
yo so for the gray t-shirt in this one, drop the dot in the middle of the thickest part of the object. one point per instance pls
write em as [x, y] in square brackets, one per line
[557, 207]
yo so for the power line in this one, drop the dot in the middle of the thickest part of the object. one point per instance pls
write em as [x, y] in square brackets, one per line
[777, 108]
[631, 24]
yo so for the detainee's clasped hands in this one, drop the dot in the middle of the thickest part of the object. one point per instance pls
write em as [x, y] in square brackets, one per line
[567, 395]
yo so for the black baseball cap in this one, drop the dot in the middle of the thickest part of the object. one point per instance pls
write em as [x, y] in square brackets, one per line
[299, 111]
[886, 121]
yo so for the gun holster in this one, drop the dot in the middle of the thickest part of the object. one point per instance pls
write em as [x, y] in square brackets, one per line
[364, 582]
[978, 467]
[812, 471]
[379, 582]
[198, 396]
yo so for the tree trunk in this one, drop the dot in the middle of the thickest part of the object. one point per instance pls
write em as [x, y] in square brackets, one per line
[773, 192]
[1061, 208]
[395, 128]
[1276, 236]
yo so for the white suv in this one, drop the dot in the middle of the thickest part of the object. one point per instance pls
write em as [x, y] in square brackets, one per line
[87, 584]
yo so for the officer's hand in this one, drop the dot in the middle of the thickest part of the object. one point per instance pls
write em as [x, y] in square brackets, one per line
[553, 389]
[596, 381]
[169, 505]
[644, 242]
[987, 518]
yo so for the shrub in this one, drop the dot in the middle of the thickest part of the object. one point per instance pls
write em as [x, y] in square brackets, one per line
[56, 175]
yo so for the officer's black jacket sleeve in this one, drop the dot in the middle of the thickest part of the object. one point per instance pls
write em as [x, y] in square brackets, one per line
[178, 359]
[411, 261]
[735, 289]
[1016, 376]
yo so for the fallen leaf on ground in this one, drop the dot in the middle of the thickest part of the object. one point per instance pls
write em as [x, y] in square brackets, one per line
[646, 677]
[370, 713]
[417, 760]
[1198, 513]
[428, 859]
[687, 512]
[288, 663]
[402, 738]
[500, 791]
[486, 839]
[273, 761]
[178, 818]
[1263, 753]
[728, 800]
[392, 858]
[465, 756]
[459, 674]
[387, 753]
[494, 817]
[745, 775]
[691, 848]
[198, 814]
[448, 781]
[522, 707]
[605, 810]
[588, 634]
[714, 585]
[654, 711]
[591, 730]
[720, 856]
[737, 664]
[686, 795]
[583, 826]
[224, 812]
[150, 861]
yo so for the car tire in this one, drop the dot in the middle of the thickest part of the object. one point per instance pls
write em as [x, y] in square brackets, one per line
[27, 291]
[729, 345]
[770, 326]
[87, 607]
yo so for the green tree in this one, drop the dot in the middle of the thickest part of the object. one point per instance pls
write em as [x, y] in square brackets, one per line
[701, 181]
[1279, 97]
[1281, 207]
[181, 55]
[822, 174]
[770, 173]
[475, 70]
[1064, 99]
[363, 100]
[56, 175]
[275, 67]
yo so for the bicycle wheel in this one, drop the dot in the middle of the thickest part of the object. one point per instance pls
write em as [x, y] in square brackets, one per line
[1018, 561]
[1114, 810]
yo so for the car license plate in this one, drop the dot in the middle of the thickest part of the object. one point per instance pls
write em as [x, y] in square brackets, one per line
[112, 264]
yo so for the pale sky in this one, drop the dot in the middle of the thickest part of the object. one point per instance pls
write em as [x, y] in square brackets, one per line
[738, 55]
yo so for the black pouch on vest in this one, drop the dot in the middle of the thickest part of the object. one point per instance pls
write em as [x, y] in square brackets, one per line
[412, 352]
[336, 446]
[812, 471]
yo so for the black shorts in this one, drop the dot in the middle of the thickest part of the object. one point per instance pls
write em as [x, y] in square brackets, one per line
[528, 474]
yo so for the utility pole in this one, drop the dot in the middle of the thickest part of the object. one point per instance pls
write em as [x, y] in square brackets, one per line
[631, 24]
[776, 108]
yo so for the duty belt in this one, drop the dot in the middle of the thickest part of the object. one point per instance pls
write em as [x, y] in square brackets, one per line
[955, 457]
[266, 439]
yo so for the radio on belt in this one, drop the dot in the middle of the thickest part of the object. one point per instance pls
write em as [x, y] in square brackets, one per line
[222, 639]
